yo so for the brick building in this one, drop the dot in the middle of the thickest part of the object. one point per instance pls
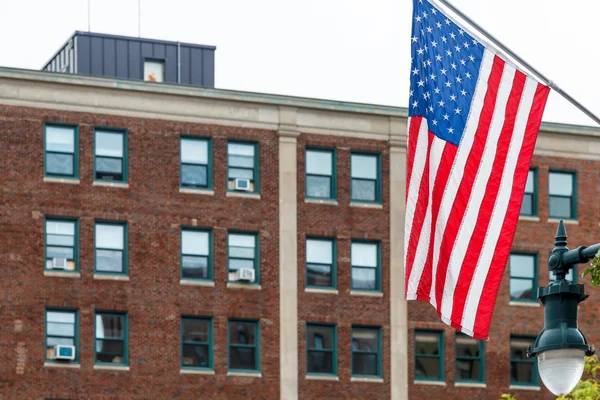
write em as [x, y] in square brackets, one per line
[192, 242]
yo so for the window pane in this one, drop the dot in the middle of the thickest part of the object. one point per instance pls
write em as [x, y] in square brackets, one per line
[319, 251]
[319, 162]
[194, 242]
[241, 252]
[60, 240]
[427, 367]
[242, 358]
[196, 355]
[53, 341]
[60, 164]
[529, 186]
[194, 267]
[467, 346]
[364, 278]
[560, 207]
[241, 161]
[236, 263]
[154, 71]
[61, 139]
[319, 337]
[522, 266]
[518, 348]
[427, 343]
[194, 175]
[527, 205]
[240, 149]
[195, 330]
[364, 364]
[364, 339]
[364, 254]
[364, 166]
[110, 326]
[60, 252]
[522, 372]
[241, 333]
[318, 275]
[109, 260]
[318, 186]
[468, 370]
[194, 151]
[240, 240]
[560, 184]
[110, 351]
[570, 276]
[110, 236]
[363, 190]
[521, 288]
[60, 228]
[233, 173]
[63, 317]
[112, 165]
[319, 362]
[109, 144]
[61, 329]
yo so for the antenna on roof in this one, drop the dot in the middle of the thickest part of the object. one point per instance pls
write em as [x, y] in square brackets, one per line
[139, 18]
[89, 15]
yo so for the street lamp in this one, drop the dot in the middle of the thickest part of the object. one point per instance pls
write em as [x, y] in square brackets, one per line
[561, 346]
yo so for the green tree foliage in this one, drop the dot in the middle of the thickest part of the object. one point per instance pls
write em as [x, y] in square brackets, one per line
[594, 270]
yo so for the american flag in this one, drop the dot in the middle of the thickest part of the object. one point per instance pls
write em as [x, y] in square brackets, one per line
[474, 119]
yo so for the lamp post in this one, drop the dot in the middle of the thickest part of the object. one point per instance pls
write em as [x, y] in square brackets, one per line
[561, 346]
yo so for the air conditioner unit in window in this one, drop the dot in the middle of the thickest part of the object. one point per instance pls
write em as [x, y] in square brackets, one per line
[242, 184]
[61, 352]
[244, 275]
[59, 263]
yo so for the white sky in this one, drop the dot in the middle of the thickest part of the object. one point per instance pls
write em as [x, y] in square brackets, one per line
[349, 50]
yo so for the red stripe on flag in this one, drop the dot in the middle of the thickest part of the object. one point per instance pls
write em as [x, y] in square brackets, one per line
[463, 194]
[492, 283]
[413, 135]
[487, 206]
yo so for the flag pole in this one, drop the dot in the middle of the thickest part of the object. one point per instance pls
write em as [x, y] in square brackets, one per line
[512, 54]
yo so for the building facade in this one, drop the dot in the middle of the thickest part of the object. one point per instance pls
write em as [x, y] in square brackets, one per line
[203, 243]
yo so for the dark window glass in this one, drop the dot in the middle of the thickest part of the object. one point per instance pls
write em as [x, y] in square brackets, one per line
[429, 359]
[320, 349]
[470, 358]
[111, 340]
[243, 339]
[528, 205]
[365, 351]
[523, 370]
[196, 343]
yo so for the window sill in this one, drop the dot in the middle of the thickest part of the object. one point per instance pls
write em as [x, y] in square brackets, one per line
[71, 181]
[323, 291]
[197, 371]
[430, 383]
[186, 282]
[246, 374]
[107, 277]
[365, 293]
[470, 385]
[111, 367]
[525, 387]
[324, 201]
[61, 365]
[197, 191]
[334, 378]
[243, 286]
[60, 274]
[366, 380]
[374, 206]
[122, 185]
[565, 220]
[244, 195]
[529, 218]
[524, 303]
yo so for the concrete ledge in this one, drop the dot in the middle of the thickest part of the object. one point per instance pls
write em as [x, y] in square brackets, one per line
[107, 277]
[186, 282]
[367, 205]
[61, 274]
[470, 385]
[61, 365]
[324, 291]
[524, 304]
[334, 378]
[62, 180]
[525, 387]
[231, 285]
[246, 374]
[255, 196]
[197, 191]
[566, 221]
[111, 367]
[430, 383]
[529, 218]
[197, 371]
[366, 380]
[122, 185]
[324, 201]
[365, 293]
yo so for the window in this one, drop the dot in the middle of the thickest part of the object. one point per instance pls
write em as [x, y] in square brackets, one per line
[523, 277]
[61, 329]
[470, 359]
[244, 341]
[242, 167]
[429, 355]
[562, 189]
[196, 260]
[196, 342]
[62, 241]
[195, 163]
[154, 71]
[529, 205]
[242, 253]
[110, 248]
[365, 172]
[110, 161]
[320, 266]
[111, 338]
[320, 174]
[366, 351]
[365, 266]
[523, 370]
[61, 151]
[571, 276]
[321, 349]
